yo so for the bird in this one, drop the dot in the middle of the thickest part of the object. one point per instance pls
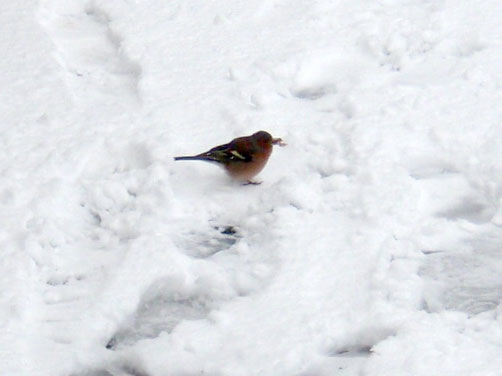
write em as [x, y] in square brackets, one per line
[242, 158]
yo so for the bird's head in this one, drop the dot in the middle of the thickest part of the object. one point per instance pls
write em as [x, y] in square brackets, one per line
[265, 138]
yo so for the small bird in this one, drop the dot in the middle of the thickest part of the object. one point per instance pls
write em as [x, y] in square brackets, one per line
[243, 157]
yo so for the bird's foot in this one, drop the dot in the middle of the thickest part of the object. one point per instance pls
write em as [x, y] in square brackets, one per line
[249, 182]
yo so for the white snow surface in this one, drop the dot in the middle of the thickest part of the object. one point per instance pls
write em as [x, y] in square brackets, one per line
[372, 247]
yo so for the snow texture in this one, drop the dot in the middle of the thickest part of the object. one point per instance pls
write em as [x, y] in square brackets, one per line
[373, 246]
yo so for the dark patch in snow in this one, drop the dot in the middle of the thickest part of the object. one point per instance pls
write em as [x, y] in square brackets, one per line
[470, 210]
[99, 372]
[160, 313]
[358, 352]
[431, 252]
[467, 281]
[229, 230]
[313, 93]
[203, 245]
[124, 370]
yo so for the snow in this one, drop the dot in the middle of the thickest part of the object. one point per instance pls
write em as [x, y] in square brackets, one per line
[372, 247]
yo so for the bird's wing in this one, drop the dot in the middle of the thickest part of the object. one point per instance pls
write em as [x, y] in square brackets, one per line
[237, 150]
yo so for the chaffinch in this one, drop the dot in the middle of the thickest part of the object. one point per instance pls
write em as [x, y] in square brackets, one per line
[242, 158]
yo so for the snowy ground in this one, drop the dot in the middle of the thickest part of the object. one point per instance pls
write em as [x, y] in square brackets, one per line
[373, 246]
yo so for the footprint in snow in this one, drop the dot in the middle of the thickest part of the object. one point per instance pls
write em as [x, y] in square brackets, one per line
[90, 51]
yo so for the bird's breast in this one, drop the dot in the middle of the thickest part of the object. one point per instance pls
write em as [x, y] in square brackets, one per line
[245, 171]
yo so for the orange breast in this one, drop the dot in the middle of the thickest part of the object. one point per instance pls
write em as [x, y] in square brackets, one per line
[245, 171]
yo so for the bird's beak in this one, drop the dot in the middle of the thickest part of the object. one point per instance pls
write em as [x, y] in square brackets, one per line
[278, 141]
